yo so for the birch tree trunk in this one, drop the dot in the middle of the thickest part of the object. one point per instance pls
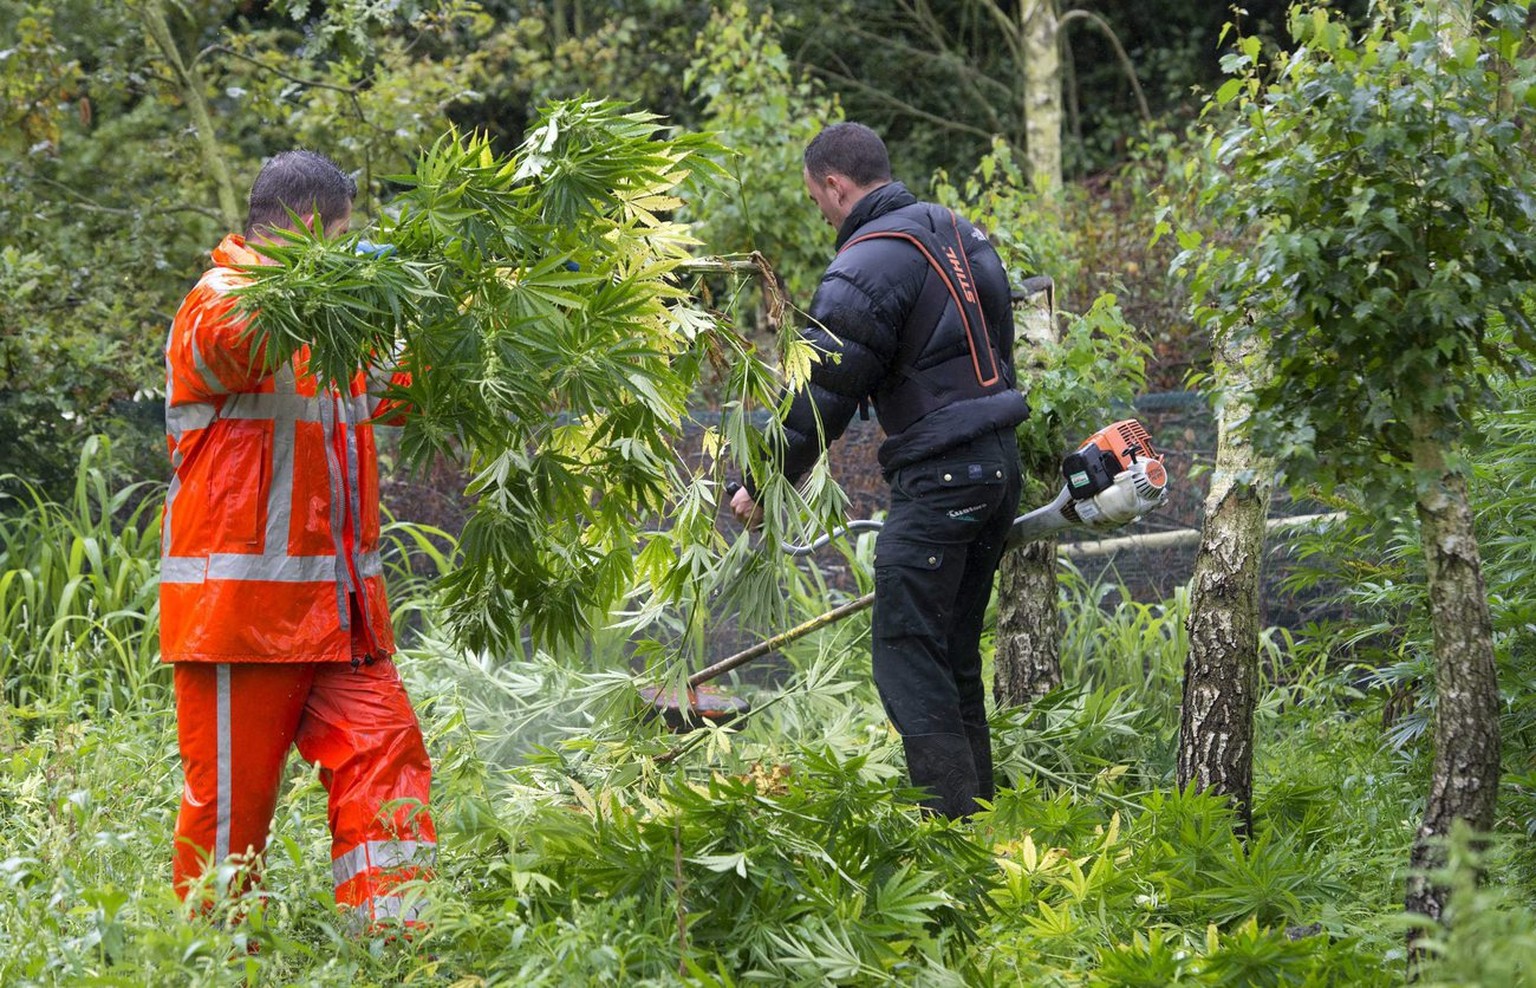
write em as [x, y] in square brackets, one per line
[1464, 784]
[1221, 671]
[1028, 660]
[1027, 663]
[1041, 98]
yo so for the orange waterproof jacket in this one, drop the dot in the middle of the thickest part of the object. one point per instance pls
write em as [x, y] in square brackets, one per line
[272, 518]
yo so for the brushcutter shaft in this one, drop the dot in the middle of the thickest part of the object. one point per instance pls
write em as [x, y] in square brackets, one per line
[790, 549]
[1025, 527]
[778, 641]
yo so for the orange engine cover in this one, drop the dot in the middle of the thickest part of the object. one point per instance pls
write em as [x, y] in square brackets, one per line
[1126, 440]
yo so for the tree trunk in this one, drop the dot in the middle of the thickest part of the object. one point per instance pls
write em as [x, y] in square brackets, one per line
[1028, 661]
[1464, 785]
[1027, 664]
[194, 93]
[1042, 94]
[1221, 672]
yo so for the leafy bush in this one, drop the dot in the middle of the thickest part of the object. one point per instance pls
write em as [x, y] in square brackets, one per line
[756, 104]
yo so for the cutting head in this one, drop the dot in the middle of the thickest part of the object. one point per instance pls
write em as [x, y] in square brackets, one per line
[696, 706]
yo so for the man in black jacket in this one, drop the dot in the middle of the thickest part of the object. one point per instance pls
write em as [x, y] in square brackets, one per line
[916, 304]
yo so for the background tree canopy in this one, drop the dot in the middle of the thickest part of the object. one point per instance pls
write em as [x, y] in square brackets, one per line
[114, 189]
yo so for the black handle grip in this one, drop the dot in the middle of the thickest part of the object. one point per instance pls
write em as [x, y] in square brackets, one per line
[731, 487]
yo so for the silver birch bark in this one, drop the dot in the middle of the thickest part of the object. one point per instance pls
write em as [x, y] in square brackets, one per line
[1221, 670]
[1041, 98]
[1465, 779]
[1027, 663]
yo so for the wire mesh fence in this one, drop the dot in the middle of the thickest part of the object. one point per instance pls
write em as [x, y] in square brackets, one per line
[1149, 570]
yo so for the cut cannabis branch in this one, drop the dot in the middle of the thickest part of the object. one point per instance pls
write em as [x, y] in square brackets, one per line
[536, 300]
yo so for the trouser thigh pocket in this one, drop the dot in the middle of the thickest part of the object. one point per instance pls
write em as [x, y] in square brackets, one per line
[911, 592]
[950, 501]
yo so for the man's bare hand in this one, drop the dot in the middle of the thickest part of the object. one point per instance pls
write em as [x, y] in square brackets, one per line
[746, 510]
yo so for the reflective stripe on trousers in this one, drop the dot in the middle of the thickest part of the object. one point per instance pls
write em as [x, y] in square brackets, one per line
[235, 724]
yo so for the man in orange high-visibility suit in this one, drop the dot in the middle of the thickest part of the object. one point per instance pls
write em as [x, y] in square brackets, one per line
[272, 603]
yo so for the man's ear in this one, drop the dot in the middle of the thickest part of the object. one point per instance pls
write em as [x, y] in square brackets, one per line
[836, 185]
[301, 222]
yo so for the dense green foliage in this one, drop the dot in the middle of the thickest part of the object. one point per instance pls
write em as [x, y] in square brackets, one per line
[109, 203]
[1382, 185]
[578, 839]
[753, 101]
[581, 844]
[1377, 561]
[537, 300]
[111, 197]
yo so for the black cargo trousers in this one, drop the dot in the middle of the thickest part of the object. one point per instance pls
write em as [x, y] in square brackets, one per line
[935, 560]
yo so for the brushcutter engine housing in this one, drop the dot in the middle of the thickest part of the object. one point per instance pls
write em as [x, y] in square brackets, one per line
[1112, 479]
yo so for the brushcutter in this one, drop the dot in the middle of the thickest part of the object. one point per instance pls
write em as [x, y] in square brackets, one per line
[1112, 479]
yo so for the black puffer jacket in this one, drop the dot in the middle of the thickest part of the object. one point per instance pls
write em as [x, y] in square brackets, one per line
[858, 313]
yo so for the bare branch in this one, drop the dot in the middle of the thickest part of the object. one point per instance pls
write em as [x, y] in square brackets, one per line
[905, 107]
[1012, 33]
[351, 91]
[983, 86]
[1125, 60]
[82, 200]
[196, 98]
[957, 61]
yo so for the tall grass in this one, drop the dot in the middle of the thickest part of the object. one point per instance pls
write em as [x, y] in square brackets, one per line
[79, 609]
[1112, 641]
[414, 556]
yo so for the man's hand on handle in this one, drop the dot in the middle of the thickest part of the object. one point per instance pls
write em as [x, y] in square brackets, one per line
[747, 511]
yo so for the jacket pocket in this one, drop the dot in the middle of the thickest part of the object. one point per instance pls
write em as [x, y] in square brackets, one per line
[241, 484]
[368, 487]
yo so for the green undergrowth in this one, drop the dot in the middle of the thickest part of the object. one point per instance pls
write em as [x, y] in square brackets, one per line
[78, 587]
[749, 858]
[583, 844]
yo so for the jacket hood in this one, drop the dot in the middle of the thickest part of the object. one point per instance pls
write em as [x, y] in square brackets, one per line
[890, 196]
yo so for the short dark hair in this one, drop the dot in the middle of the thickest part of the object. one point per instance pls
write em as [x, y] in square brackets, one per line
[299, 182]
[850, 149]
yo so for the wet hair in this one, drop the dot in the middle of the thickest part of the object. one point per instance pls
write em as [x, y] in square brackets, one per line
[850, 149]
[301, 182]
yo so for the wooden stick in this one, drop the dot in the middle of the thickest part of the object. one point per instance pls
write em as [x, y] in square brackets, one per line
[719, 265]
[774, 299]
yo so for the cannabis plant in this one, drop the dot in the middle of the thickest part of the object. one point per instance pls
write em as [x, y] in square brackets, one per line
[540, 303]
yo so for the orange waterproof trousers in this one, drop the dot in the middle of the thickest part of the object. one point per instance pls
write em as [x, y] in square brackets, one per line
[235, 722]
